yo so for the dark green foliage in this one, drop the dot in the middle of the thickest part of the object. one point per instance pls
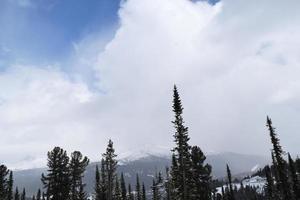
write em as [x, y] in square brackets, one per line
[57, 180]
[269, 188]
[77, 167]
[117, 190]
[231, 192]
[282, 183]
[23, 196]
[138, 188]
[4, 182]
[130, 194]
[294, 178]
[123, 188]
[144, 192]
[98, 191]
[110, 169]
[181, 171]
[17, 195]
[38, 195]
[201, 175]
[10, 184]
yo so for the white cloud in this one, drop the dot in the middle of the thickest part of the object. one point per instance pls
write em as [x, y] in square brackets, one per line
[234, 63]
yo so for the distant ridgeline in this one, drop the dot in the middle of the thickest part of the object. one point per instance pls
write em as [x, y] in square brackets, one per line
[186, 177]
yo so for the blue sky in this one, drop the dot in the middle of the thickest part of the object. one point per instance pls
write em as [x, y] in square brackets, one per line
[42, 31]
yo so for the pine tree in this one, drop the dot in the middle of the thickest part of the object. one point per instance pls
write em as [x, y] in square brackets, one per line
[103, 183]
[181, 168]
[231, 193]
[77, 168]
[138, 188]
[201, 175]
[97, 187]
[23, 196]
[282, 183]
[10, 184]
[168, 185]
[3, 182]
[269, 188]
[38, 195]
[144, 192]
[110, 168]
[123, 187]
[17, 195]
[117, 190]
[57, 180]
[294, 178]
[130, 194]
[155, 195]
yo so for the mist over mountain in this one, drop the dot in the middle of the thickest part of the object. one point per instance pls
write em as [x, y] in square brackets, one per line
[147, 167]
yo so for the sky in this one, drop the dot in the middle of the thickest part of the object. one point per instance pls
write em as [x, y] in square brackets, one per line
[75, 74]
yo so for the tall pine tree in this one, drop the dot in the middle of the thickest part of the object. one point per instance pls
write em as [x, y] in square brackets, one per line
[57, 180]
[181, 160]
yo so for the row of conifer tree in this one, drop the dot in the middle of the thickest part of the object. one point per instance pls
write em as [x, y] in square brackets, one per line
[188, 178]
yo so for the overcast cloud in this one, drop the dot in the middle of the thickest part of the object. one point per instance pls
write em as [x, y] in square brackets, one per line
[234, 63]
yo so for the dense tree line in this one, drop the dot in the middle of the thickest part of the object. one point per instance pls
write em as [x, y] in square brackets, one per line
[188, 178]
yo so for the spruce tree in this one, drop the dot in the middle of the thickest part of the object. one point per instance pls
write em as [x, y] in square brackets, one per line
[181, 164]
[17, 195]
[269, 188]
[57, 180]
[231, 193]
[110, 169]
[294, 178]
[138, 188]
[201, 175]
[123, 187]
[10, 184]
[130, 194]
[77, 168]
[23, 196]
[3, 182]
[117, 190]
[38, 195]
[103, 183]
[144, 197]
[97, 187]
[283, 185]
[168, 185]
[155, 195]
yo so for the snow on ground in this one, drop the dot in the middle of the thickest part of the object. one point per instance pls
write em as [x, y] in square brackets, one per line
[256, 181]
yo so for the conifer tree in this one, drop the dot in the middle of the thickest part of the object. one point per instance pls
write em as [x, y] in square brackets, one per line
[17, 195]
[231, 193]
[117, 190]
[138, 188]
[144, 192]
[103, 185]
[38, 195]
[97, 187]
[10, 184]
[201, 175]
[3, 182]
[168, 185]
[155, 195]
[57, 180]
[294, 178]
[123, 187]
[282, 183]
[130, 194]
[77, 168]
[269, 188]
[23, 196]
[181, 164]
[110, 169]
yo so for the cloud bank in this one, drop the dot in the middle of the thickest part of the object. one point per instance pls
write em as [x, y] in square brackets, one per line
[234, 63]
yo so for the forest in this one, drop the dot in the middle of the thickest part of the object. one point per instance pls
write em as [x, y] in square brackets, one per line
[189, 176]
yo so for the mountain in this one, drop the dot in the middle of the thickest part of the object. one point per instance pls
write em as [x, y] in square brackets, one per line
[147, 166]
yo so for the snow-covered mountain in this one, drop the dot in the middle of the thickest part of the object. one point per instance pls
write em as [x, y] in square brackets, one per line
[146, 165]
